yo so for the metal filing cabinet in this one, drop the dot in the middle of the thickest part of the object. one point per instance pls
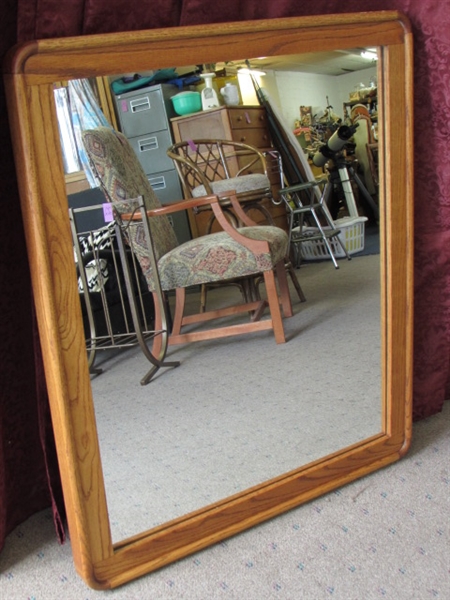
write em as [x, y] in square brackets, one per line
[144, 116]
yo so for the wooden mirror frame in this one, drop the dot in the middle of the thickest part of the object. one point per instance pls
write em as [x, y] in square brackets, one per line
[30, 71]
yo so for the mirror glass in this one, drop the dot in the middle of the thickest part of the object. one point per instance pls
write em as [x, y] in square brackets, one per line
[241, 411]
[243, 429]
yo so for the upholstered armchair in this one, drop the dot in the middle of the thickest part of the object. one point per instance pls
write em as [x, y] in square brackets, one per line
[208, 166]
[217, 257]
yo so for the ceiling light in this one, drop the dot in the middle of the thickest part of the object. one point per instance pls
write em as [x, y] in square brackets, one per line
[370, 54]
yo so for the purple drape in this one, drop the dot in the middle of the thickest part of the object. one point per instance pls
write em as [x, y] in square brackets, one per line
[27, 458]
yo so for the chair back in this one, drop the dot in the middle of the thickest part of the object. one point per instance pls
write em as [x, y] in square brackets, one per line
[123, 178]
[202, 162]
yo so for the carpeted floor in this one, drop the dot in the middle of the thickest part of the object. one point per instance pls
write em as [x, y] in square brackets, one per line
[239, 411]
[385, 536]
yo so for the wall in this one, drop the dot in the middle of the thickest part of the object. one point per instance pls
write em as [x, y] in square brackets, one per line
[308, 89]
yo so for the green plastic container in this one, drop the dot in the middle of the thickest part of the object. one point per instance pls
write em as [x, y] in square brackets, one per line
[187, 102]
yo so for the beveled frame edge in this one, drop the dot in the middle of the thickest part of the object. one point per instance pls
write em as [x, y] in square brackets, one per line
[30, 70]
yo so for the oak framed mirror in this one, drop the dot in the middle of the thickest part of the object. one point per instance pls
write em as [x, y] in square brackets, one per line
[31, 71]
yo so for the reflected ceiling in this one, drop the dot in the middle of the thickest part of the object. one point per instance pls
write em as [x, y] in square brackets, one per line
[337, 62]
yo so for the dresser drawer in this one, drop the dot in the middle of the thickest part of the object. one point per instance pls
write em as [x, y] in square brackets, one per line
[259, 138]
[209, 124]
[247, 117]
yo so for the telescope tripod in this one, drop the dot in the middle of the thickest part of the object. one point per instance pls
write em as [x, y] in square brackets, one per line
[340, 177]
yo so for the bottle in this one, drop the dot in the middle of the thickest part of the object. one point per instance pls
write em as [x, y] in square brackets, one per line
[230, 94]
[209, 94]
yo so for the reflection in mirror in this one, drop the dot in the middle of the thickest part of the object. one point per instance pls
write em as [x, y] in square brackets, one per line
[257, 410]
[327, 428]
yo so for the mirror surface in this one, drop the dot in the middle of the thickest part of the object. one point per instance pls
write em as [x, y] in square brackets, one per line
[286, 478]
[244, 410]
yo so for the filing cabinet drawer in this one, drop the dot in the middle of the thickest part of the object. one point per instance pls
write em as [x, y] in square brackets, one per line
[166, 186]
[142, 111]
[151, 150]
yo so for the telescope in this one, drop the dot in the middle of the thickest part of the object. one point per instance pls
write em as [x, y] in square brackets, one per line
[335, 144]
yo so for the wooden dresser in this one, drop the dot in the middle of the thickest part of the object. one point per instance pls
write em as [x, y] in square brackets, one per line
[247, 124]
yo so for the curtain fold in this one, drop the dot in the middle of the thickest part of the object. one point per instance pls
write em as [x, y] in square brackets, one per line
[25, 436]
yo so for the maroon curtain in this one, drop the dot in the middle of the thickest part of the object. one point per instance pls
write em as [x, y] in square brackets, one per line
[27, 458]
[24, 486]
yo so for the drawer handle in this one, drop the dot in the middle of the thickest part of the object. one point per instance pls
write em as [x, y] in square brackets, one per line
[146, 144]
[243, 138]
[158, 183]
[140, 104]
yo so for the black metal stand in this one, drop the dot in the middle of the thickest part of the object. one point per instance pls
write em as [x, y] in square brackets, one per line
[341, 174]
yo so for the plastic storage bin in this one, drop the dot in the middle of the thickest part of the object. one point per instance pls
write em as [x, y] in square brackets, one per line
[351, 234]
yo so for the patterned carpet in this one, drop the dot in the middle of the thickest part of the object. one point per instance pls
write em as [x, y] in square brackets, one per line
[385, 536]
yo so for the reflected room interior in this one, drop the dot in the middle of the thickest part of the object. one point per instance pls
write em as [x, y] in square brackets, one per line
[255, 409]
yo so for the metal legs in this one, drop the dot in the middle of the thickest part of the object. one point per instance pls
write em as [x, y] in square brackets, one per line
[305, 199]
[118, 311]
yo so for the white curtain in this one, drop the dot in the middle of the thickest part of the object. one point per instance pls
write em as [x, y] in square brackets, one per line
[86, 114]
[77, 109]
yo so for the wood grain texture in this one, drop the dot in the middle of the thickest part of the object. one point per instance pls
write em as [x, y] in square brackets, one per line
[31, 70]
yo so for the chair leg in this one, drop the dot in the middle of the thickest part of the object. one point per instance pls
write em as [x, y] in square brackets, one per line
[203, 296]
[290, 269]
[285, 297]
[180, 299]
[157, 341]
[274, 306]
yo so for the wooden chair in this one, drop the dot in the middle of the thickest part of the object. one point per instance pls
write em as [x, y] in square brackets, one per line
[217, 257]
[207, 166]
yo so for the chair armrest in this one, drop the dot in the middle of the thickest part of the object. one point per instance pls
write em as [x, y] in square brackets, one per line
[299, 187]
[171, 208]
[255, 246]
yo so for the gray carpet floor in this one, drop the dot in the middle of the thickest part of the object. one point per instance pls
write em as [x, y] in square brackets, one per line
[239, 411]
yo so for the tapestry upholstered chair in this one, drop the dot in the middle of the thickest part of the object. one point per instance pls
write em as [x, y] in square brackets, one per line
[211, 166]
[216, 257]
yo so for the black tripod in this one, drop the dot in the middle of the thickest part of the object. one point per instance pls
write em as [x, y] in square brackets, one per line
[340, 179]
